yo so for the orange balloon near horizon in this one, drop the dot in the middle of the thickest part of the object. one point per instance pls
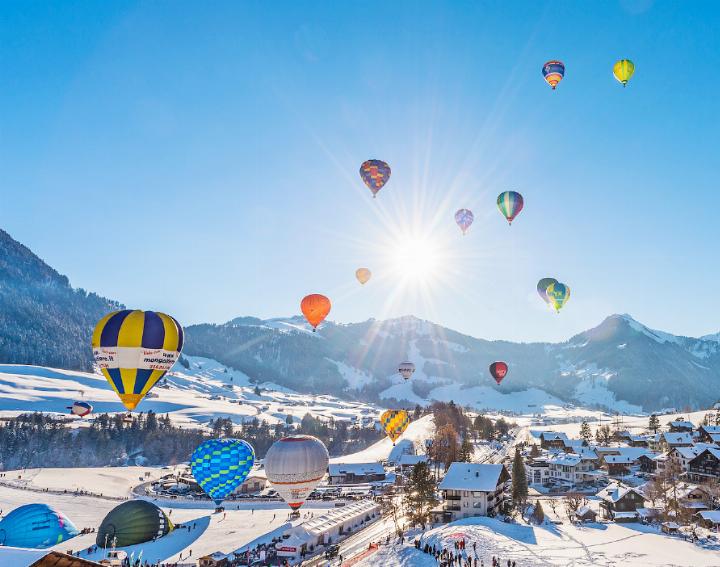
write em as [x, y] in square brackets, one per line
[315, 307]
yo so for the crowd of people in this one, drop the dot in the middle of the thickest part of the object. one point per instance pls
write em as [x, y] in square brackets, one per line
[459, 555]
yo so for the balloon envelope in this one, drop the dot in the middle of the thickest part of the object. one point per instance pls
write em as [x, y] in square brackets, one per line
[315, 307]
[81, 409]
[623, 70]
[553, 71]
[133, 522]
[36, 526]
[363, 275]
[498, 370]
[134, 349]
[558, 294]
[394, 422]
[221, 465]
[294, 466]
[510, 203]
[406, 369]
[375, 174]
[464, 218]
[542, 288]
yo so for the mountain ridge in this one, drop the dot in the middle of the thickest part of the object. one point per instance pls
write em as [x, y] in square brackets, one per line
[44, 321]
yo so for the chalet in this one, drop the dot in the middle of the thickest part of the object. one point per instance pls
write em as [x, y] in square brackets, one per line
[670, 528]
[15, 556]
[537, 470]
[688, 498]
[648, 463]
[407, 462]
[255, 482]
[639, 441]
[585, 514]
[471, 489]
[680, 426]
[705, 466]
[617, 465]
[709, 519]
[553, 440]
[356, 473]
[572, 468]
[217, 559]
[681, 456]
[620, 503]
[668, 440]
[709, 434]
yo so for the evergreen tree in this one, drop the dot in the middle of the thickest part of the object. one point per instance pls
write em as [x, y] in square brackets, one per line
[585, 432]
[519, 480]
[417, 414]
[654, 423]
[467, 451]
[534, 451]
[419, 496]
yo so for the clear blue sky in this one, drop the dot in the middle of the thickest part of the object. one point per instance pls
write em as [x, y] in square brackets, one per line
[201, 158]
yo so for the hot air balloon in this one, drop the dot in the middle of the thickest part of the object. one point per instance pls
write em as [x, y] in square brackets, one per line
[406, 369]
[558, 294]
[498, 370]
[623, 70]
[315, 307]
[294, 466]
[542, 288]
[363, 275]
[221, 465]
[553, 71]
[375, 173]
[394, 422]
[464, 218]
[510, 204]
[81, 409]
[131, 523]
[37, 526]
[134, 349]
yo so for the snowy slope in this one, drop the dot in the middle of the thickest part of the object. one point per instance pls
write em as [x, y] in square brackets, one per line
[204, 391]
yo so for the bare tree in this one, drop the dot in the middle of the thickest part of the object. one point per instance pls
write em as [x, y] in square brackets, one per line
[572, 502]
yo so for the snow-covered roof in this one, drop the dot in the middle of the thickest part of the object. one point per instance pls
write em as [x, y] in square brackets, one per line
[472, 476]
[584, 511]
[648, 512]
[554, 436]
[615, 491]
[687, 452]
[715, 437]
[412, 460]
[714, 451]
[337, 517]
[682, 438]
[711, 516]
[358, 469]
[671, 525]
[683, 423]
[586, 453]
[711, 429]
[618, 459]
[624, 515]
[566, 459]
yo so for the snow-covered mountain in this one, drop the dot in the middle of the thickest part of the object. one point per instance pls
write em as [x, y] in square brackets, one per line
[620, 364]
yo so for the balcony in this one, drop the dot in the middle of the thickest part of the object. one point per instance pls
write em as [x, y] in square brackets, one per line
[452, 508]
[452, 497]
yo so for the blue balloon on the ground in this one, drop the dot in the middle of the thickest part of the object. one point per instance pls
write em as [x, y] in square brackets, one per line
[35, 526]
[221, 465]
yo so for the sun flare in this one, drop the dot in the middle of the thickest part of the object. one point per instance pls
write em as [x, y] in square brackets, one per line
[415, 258]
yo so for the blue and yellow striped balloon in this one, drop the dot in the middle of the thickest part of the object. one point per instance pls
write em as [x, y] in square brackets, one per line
[221, 465]
[510, 204]
[134, 349]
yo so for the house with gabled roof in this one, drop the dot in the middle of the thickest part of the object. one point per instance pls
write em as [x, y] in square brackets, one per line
[472, 489]
[709, 434]
[705, 466]
[619, 502]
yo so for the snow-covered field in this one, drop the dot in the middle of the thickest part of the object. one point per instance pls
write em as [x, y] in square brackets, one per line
[207, 390]
[597, 545]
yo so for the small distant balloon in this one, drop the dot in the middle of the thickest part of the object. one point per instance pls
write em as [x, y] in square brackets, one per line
[81, 409]
[406, 369]
[363, 275]
[375, 174]
[623, 70]
[553, 71]
[498, 370]
[464, 218]
[510, 203]
[394, 422]
[542, 288]
[315, 307]
[558, 294]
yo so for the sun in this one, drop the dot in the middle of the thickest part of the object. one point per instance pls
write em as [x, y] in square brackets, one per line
[415, 259]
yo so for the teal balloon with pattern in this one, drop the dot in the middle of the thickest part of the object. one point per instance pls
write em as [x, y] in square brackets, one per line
[221, 465]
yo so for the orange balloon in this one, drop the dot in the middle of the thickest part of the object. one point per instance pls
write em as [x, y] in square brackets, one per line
[315, 307]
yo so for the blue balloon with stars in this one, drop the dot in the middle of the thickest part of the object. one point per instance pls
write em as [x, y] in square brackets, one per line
[221, 465]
